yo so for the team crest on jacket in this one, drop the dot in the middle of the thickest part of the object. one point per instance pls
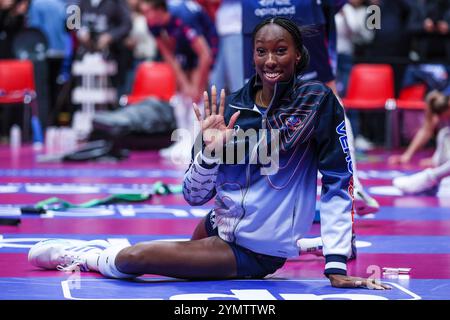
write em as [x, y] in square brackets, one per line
[294, 125]
[293, 122]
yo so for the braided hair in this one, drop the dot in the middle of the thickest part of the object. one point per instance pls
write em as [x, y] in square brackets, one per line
[297, 35]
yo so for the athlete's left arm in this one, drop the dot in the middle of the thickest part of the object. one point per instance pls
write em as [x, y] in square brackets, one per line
[335, 164]
[336, 208]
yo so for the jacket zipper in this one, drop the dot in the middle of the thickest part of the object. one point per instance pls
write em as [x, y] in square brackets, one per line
[264, 121]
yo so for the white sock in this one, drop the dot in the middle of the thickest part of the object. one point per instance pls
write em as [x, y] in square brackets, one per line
[106, 263]
[92, 261]
[310, 244]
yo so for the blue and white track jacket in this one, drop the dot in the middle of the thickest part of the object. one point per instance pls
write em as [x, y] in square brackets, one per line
[269, 213]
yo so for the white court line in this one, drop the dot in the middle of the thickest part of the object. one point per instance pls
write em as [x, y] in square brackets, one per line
[68, 295]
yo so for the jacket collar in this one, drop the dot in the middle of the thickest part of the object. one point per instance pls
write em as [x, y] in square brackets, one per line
[282, 91]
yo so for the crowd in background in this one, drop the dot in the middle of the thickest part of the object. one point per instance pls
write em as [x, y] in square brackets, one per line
[414, 38]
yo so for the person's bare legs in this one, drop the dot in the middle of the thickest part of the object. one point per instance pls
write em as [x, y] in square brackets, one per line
[201, 258]
[200, 230]
[206, 258]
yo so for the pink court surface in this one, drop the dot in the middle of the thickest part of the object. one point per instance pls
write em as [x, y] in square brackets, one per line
[408, 232]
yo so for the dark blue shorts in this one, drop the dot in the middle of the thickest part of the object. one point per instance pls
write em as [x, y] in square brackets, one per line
[250, 265]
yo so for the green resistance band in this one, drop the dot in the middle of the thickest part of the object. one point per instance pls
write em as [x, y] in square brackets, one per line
[159, 188]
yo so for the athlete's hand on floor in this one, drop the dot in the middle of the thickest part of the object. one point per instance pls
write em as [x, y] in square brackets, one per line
[399, 159]
[215, 132]
[427, 162]
[341, 281]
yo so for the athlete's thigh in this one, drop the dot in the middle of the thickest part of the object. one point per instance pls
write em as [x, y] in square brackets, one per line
[205, 258]
[200, 230]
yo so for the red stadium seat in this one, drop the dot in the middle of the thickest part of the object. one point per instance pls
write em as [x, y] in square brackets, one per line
[370, 86]
[155, 79]
[17, 87]
[412, 97]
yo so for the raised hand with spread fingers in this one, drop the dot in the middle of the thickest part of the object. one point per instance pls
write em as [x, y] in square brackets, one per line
[216, 133]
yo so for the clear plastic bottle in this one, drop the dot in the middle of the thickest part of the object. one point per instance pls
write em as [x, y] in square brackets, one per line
[15, 137]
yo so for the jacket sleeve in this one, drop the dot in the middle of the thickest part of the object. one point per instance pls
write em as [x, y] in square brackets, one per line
[335, 165]
[199, 185]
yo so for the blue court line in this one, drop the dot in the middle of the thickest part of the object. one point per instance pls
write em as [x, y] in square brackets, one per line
[137, 173]
[20, 243]
[100, 173]
[186, 211]
[417, 213]
[405, 244]
[76, 188]
[153, 173]
[85, 287]
[125, 211]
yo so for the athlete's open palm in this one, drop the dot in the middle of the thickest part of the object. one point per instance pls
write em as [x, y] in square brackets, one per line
[215, 131]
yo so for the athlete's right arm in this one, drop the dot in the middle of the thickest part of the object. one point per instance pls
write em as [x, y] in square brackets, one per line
[199, 185]
[200, 178]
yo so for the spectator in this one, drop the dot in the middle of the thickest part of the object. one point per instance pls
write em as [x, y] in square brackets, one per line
[49, 16]
[390, 45]
[104, 26]
[391, 41]
[210, 6]
[351, 31]
[140, 41]
[429, 27]
[12, 20]
[228, 71]
[187, 40]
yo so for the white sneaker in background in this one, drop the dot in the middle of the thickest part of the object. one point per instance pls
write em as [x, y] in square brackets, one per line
[364, 203]
[363, 144]
[178, 153]
[416, 183]
[64, 254]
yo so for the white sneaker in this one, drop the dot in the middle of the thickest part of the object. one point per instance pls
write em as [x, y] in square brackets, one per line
[363, 144]
[64, 254]
[166, 152]
[416, 183]
[364, 203]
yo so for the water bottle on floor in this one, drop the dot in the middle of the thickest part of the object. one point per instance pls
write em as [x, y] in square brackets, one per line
[15, 137]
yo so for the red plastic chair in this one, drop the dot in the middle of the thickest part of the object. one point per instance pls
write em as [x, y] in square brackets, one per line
[370, 86]
[17, 87]
[155, 79]
[412, 98]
